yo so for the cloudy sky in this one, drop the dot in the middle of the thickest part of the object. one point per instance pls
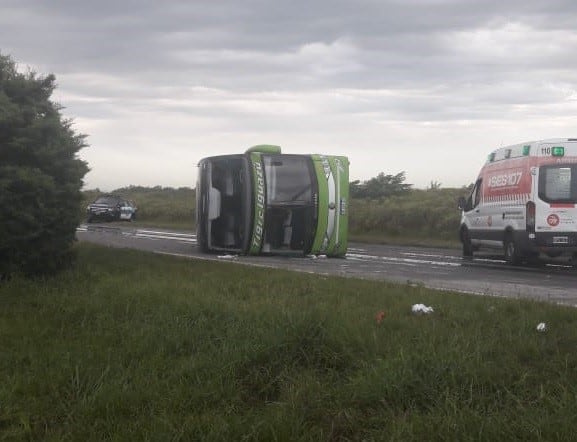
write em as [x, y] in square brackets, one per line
[428, 87]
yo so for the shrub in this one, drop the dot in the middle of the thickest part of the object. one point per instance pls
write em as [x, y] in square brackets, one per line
[40, 175]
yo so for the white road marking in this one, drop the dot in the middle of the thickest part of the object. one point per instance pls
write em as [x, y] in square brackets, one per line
[155, 232]
[143, 233]
[190, 239]
[403, 260]
[427, 255]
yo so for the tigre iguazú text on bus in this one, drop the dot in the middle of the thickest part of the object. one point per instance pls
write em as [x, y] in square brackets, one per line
[523, 202]
[267, 202]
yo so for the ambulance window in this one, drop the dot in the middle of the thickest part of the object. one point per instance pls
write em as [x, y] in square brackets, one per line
[558, 183]
[477, 193]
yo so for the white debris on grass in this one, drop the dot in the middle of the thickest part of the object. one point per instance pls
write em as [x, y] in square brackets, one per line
[420, 309]
[541, 327]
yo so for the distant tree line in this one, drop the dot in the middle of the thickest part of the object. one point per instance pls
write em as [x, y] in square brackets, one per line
[381, 186]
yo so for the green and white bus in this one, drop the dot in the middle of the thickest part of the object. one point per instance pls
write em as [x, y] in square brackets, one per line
[267, 202]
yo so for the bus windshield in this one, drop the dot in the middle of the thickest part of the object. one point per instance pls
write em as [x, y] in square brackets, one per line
[289, 179]
[558, 183]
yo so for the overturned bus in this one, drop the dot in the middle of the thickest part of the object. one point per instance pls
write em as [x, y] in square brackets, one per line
[267, 202]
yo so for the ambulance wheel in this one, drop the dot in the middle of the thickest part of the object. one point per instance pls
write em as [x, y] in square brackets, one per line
[467, 246]
[512, 256]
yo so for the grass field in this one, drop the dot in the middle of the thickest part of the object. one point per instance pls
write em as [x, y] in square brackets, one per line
[136, 346]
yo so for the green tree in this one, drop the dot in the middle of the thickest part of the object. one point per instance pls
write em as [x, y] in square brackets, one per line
[40, 175]
[380, 186]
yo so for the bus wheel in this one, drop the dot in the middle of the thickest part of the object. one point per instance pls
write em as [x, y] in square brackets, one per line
[467, 246]
[511, 253]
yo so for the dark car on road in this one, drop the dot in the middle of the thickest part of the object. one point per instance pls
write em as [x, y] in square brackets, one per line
[111, 208]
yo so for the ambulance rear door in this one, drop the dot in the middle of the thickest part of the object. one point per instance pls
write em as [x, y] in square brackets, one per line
[556, 192]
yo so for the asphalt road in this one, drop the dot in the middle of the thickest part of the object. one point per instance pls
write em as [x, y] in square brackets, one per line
[431, 267]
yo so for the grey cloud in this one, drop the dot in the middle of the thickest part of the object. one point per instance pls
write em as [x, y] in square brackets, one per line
[255, 66]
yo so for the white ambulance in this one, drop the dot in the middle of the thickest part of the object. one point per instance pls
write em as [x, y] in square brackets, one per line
[524, 202]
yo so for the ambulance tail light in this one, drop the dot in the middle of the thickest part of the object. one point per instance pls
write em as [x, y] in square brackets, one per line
[530, 217]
